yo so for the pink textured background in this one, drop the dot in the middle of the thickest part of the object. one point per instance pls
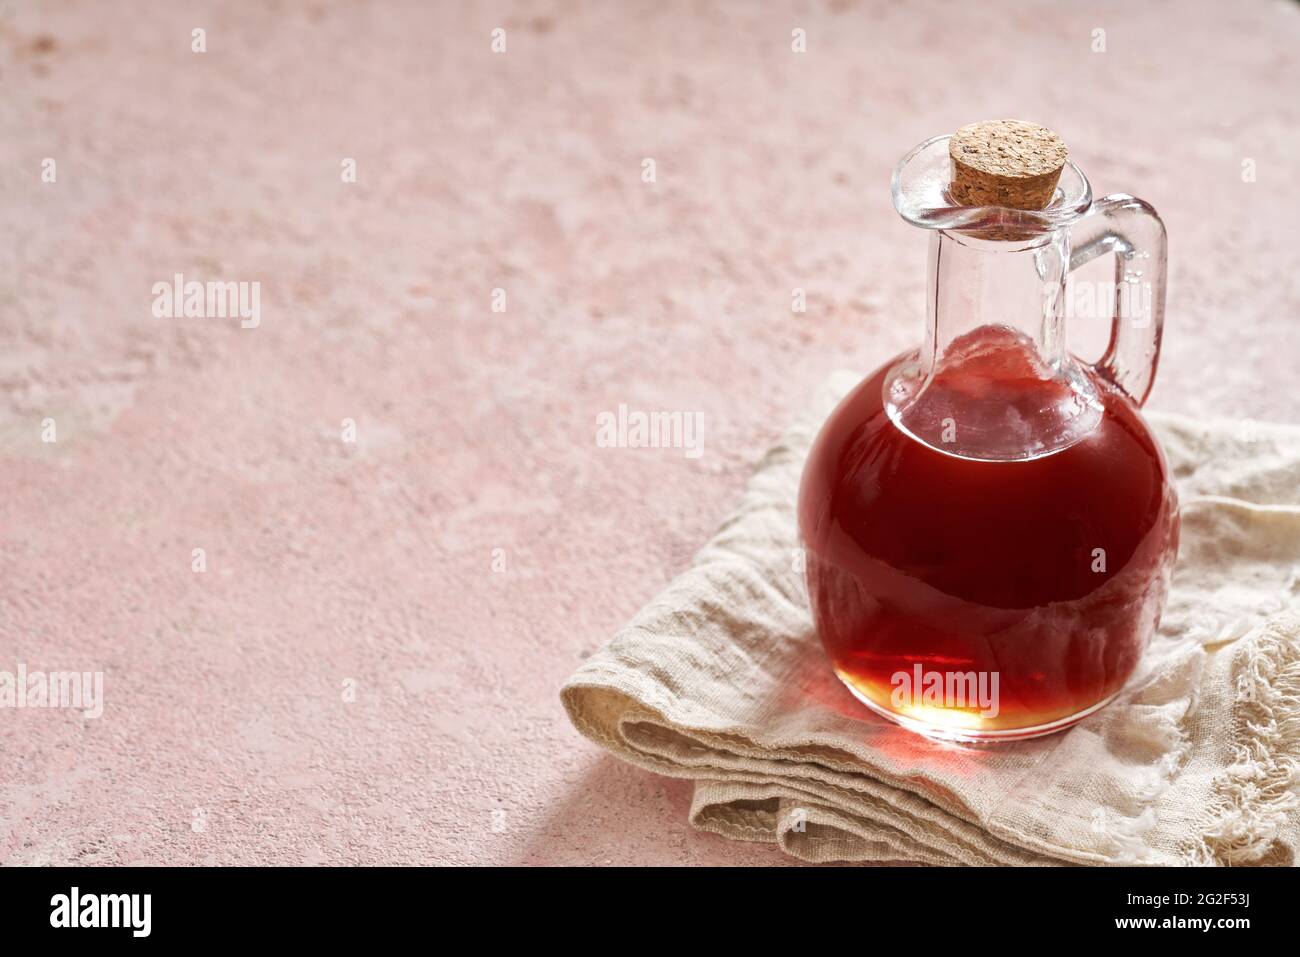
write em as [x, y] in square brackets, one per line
[476, 429]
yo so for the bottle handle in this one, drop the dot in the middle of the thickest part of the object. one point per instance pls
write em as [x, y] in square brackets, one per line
[1129, 228]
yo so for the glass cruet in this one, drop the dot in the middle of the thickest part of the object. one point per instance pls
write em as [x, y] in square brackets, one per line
[988, 522]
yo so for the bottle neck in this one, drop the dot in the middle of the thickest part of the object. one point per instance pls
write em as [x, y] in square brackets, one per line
[1012, 285]
[993, 379]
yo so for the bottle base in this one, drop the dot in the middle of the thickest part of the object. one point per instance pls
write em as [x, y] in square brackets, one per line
[960, 734]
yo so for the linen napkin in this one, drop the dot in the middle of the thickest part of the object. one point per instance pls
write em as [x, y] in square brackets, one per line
[722, 680]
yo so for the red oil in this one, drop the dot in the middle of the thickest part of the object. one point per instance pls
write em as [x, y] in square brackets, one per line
[1047, 572]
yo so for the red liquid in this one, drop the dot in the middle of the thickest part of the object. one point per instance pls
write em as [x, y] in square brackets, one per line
[916, 557]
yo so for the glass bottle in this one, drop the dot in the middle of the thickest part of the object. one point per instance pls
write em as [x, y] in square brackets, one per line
[989, 524]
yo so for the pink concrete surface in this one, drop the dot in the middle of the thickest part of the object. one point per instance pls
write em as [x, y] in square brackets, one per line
[475, 429]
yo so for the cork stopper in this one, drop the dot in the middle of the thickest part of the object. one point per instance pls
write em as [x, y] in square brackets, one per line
[1008, 163]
